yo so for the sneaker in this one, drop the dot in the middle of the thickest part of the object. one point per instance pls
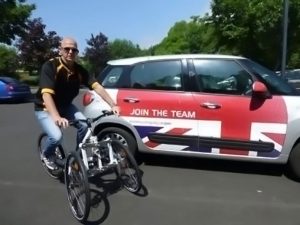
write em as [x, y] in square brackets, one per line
[49, 162]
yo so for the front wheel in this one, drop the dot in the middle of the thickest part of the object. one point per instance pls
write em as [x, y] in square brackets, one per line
[59, 154]
[78, 190]
[127, 169]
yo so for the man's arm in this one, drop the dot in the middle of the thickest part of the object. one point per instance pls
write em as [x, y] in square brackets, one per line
[100, 90]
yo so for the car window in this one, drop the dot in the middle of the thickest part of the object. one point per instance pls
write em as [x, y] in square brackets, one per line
[112, 77]
[158, 75]
[275, 84]
[221, 76]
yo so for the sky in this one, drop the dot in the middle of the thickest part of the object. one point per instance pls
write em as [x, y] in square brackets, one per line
[142, 22]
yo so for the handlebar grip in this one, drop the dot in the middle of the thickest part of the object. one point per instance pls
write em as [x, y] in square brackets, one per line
[90, 120]
[107, 112]
[73, 122]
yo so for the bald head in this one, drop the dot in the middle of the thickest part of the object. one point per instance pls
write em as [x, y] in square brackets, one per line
[67, 42]
[68, 50]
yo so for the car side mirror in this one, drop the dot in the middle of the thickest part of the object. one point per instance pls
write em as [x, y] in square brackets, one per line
[260, 89]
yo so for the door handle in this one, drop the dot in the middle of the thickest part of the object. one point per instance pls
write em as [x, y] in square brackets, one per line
[209, 105]
[131, 100]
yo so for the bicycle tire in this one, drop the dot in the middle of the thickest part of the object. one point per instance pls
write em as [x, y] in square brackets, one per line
[127, 169]
[77, 185]
[59, 153]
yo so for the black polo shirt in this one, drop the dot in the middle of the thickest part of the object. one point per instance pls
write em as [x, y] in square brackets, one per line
[62, 82]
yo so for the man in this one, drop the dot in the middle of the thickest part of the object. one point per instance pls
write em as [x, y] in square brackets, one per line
[59, 84]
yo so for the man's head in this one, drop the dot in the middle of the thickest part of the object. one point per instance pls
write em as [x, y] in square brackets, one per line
[68, 50]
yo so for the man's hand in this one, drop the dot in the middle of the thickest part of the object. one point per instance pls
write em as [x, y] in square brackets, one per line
[61, 122]
[116, 110]
[106, 97]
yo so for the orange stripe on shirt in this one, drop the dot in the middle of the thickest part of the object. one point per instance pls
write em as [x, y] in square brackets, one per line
[95, 84]
[47, 90]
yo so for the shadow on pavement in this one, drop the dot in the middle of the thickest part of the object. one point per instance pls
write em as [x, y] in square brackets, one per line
[215, 164]
[104, 185]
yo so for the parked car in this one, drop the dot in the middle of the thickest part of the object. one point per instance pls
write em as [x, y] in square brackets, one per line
[13, 90]
[293, 77]
[212, 106]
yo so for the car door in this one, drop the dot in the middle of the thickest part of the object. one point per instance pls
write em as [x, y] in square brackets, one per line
[232, 121]
[2, 89]
[156, 104]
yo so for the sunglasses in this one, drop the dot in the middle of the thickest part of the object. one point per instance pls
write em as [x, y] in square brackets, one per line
[67, 49]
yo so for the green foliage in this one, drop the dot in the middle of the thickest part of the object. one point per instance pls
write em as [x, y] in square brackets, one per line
[27, 78]
[196, 36]
[13, 16]
[100, 51]
[31, 80]
[9, 60]
[201, 36]
[177, 40]
[253, 28]
[294, 60]
[123, 49]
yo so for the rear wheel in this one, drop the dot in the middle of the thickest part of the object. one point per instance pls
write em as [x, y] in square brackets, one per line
[78, 191]
[127, 169]
[59, 154]
[294, 163]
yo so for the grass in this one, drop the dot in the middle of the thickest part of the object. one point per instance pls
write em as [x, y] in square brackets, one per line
[30, 79]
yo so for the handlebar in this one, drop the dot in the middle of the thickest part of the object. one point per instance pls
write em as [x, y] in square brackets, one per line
[89, 121]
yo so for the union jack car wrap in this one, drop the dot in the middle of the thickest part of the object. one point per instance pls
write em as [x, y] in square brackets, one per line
[260, 124]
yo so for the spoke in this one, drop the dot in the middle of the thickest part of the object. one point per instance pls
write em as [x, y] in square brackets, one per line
[129, 175]
[79, 203]
[77, 192]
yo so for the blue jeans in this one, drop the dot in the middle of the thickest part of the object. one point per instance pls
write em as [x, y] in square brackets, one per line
[54, 132]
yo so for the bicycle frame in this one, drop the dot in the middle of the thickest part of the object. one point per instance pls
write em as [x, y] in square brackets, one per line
[90, 141]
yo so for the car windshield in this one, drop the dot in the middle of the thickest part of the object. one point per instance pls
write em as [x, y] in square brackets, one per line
[275, 84]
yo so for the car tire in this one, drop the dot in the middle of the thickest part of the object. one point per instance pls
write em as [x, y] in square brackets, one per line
[293, 166]
[123, 136]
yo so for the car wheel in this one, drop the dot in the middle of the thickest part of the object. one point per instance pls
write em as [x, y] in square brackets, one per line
[123, 136]
[294, 163]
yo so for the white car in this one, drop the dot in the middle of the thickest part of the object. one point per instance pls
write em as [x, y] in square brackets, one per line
[212, 106]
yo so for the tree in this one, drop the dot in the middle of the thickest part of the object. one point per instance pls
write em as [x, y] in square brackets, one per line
[122, 48]
[177, 40]
[253, 28]
[36, 47]
[195, 36]
[9, 59]
[13, 17]
[97, 54]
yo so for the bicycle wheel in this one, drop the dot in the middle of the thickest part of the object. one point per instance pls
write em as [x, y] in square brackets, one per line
[127, 170]
[78, 190]
[59, 154]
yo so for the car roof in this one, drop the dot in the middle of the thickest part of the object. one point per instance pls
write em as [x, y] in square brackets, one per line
[134, 60]
[7, 79]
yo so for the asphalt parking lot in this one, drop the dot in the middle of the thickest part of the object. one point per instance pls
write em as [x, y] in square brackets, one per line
[176, 190]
